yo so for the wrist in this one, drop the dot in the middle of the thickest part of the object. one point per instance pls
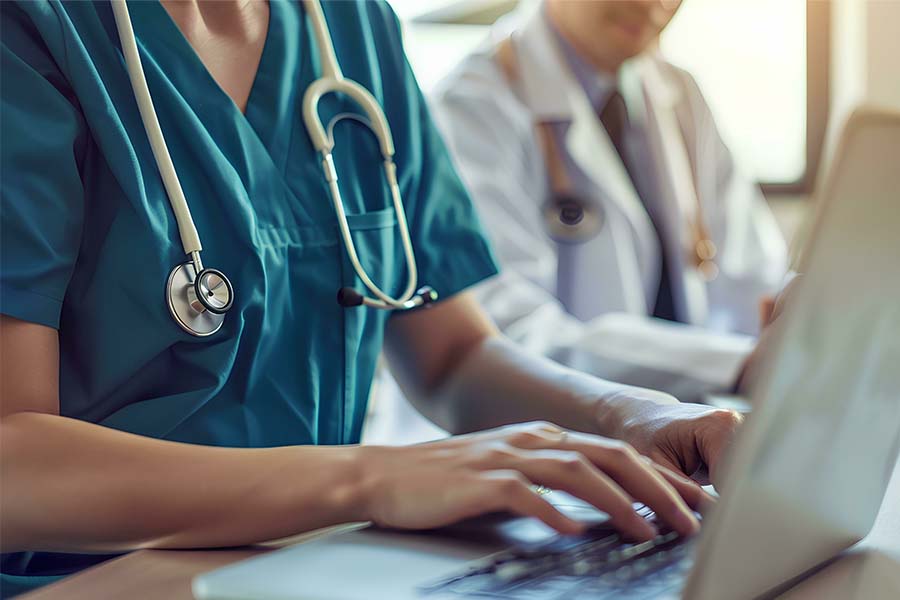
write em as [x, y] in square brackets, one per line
[374, 471]
[350, 496]
[618, 413]
[329, 489]
[610, 414]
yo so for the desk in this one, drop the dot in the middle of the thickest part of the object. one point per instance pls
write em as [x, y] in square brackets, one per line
[167, 574]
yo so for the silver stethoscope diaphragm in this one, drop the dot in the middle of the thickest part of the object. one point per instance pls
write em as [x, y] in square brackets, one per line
[211, 291]
[198, 304]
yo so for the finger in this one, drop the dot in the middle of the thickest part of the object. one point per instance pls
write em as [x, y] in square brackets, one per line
[786, 293]
[535, 434]
[766, 311]
[622, 462]
[660, 457]
[695, 496]
[714, 438]
[632, 476]
[573, 473]
[510, 490]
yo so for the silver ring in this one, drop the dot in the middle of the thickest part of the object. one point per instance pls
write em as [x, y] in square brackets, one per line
[541, 490]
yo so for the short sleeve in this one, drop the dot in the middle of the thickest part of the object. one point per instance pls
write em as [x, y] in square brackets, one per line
[451, 248]
[452, 252]
[42, 137]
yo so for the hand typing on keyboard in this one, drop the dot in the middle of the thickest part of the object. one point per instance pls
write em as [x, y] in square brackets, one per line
[435, 484]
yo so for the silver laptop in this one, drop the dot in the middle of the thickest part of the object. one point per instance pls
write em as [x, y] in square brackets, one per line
[804, 481]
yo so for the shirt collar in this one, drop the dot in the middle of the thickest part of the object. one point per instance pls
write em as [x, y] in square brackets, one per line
[549, 86]
[598, 86]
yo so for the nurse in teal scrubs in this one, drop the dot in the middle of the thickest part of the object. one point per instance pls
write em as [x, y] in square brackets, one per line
[120, 430]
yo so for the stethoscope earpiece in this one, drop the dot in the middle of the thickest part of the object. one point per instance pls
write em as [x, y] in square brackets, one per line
[348, 298]
[427, 295]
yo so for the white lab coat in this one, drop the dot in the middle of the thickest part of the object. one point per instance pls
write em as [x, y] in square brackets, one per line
[587, 305]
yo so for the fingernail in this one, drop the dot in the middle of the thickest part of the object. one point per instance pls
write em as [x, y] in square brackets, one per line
[648, 530]
[689, 523]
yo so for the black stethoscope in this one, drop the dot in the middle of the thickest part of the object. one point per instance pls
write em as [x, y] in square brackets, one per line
[199, 297]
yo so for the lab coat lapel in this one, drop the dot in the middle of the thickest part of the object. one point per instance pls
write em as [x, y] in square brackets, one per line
[589, 146]
[554, 95]
[678, 190]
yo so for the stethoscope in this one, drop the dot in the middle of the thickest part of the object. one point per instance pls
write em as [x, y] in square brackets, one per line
[568, 217]
[571, 219]
[199, 297]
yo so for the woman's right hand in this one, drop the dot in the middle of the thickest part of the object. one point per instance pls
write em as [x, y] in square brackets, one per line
[438, 483]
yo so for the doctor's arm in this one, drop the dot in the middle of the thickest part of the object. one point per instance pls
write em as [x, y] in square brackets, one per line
[458, 371]
[753, 255]
[682, 360]
[500, 161]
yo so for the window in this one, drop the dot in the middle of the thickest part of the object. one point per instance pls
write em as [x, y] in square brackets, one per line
[433, 50]
[762, 68]
[762, 65]
[749, 60]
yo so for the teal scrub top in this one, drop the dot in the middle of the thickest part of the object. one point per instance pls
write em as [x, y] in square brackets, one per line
[89, 238]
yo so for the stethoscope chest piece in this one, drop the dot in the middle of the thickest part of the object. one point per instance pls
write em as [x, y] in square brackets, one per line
[568, 220]
[198, 316]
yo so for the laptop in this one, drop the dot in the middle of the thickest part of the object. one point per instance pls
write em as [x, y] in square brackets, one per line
[804, 479]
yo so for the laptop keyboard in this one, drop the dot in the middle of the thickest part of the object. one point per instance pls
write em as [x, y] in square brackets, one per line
[593, 566]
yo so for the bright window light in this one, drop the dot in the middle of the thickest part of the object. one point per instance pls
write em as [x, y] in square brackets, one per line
[749, 58]
[433, 50]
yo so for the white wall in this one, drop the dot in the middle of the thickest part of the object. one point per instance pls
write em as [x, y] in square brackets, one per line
[865, 55]
[883, 44]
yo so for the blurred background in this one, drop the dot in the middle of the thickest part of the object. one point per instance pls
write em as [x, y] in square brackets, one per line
[779, 74]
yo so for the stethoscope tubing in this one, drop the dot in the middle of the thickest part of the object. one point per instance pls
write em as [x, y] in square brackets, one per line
[190, 239]
[347, 237]
[331, 81]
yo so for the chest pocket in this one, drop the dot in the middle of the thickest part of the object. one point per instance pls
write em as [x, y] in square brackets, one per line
[378, 246]
[334, 349]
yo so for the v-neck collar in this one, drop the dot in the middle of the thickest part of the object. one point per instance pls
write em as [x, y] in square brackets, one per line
[272, 99]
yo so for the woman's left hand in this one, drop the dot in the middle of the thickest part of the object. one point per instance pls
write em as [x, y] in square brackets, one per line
[682, 437]
[687, 438]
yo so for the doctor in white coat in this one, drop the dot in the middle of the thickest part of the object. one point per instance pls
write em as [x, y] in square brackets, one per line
[630, 244]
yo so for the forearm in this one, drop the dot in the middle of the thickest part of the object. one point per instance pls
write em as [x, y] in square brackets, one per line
[497, 384]
[683, 360]
[68, 485]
